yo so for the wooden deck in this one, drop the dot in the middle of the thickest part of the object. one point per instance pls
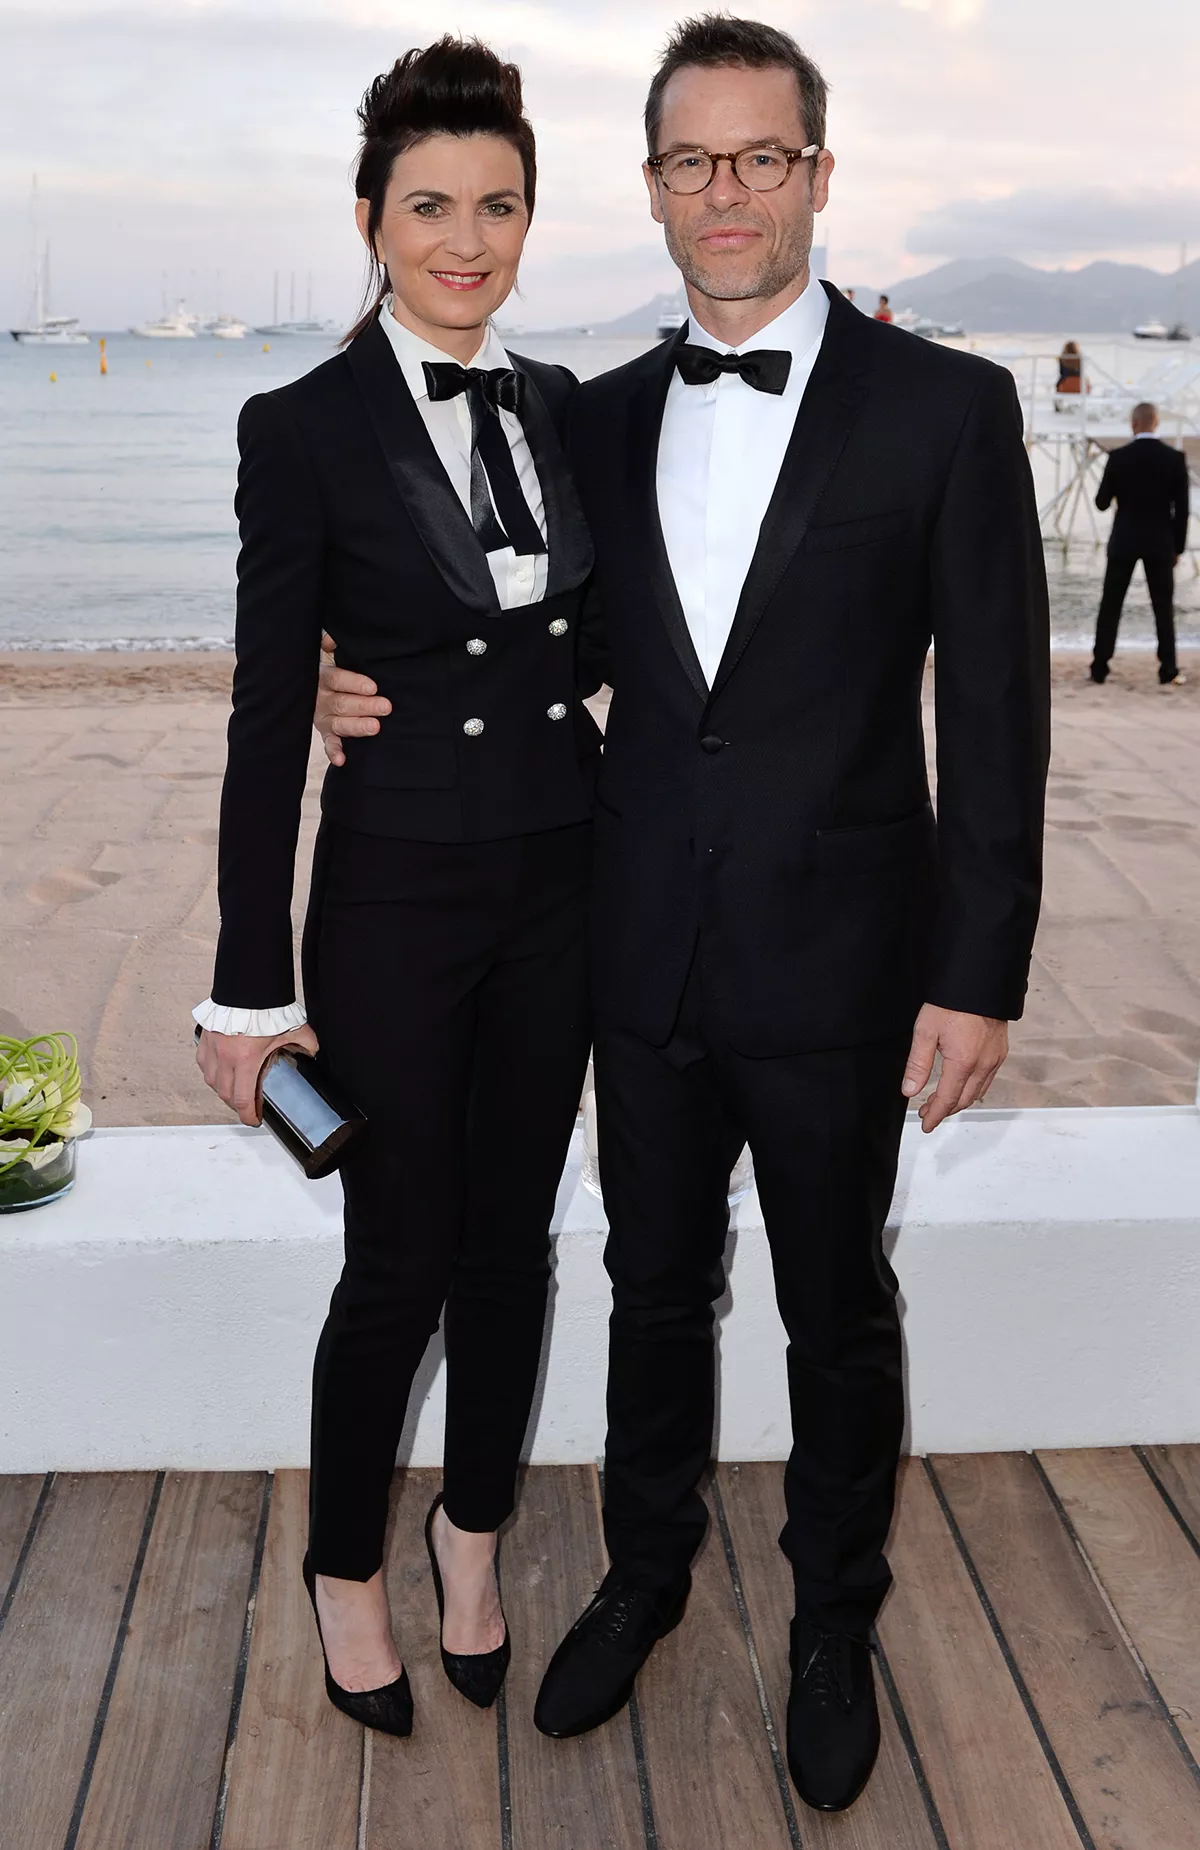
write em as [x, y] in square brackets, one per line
[1039, 1666]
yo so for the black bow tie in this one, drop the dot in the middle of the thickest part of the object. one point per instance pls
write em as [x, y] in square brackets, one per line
[501, 389]
[494, 478]
[766, 369]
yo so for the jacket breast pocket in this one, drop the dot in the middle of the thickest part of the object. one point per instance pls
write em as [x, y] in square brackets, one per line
[884, 844]
[864, 532]
[386, 763]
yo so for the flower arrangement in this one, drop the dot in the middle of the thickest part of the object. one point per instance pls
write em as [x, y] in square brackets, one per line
[41, 1113]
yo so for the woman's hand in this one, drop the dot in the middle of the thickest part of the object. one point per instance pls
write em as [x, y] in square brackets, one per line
[349, 706]
[232, 1064]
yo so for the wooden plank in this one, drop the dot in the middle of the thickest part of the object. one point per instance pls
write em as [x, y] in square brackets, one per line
[441, 1789]
[989, 1777]
[158, 1770]
[1145, 1564]
[566, 1795]
[1177, 1468]
[296, 1764]
[56, 1647]
[1129, 1779]
[18, 1500]
[712, 1778]
[891, 1814]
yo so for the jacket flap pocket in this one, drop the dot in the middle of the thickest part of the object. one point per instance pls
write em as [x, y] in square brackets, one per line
[856, 532]
[882, 844]
[390, 763]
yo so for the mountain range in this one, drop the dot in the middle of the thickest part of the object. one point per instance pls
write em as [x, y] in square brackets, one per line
[1003, 295]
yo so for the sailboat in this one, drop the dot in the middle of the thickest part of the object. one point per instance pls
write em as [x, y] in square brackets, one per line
[276, 329]
[44, 329]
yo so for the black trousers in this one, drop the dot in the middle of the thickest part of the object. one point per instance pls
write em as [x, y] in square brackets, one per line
[1160, 582]
[448, 987]
[824, 1131]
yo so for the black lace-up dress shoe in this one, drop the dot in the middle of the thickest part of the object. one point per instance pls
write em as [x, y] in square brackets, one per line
[592, 1673]
[832, 1717]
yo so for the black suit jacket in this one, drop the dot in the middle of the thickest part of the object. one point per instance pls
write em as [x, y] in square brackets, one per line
[349, 523]
[785, 812]
[1148, 480]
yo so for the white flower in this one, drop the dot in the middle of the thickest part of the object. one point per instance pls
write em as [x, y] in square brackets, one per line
[34, 1159]
[72, 1121]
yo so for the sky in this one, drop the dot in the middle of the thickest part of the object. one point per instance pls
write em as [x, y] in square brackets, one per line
[196, 148]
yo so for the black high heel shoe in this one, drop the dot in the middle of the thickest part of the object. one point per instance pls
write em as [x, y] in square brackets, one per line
[475, 1675]
[389, 1709]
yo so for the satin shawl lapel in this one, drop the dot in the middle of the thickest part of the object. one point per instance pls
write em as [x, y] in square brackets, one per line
[832, 400]
[645, 527]
[568, 541]
[423, 485]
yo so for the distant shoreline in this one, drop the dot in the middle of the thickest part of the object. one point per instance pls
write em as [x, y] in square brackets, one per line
[65, 677]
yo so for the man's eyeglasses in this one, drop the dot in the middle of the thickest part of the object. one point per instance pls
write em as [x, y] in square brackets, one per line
[761, 169]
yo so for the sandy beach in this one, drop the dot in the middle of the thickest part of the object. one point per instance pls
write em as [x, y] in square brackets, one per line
[108, 822]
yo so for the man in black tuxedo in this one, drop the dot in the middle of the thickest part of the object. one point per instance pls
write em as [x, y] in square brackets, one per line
[1148, 480]
[789, 501]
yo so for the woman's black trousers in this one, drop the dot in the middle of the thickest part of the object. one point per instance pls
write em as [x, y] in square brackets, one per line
[447, 984]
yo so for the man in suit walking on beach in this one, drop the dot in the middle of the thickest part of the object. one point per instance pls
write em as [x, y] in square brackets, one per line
[789, 501]
[1148, 480]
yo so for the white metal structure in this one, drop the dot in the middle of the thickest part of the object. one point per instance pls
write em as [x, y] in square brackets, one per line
[1076, 430]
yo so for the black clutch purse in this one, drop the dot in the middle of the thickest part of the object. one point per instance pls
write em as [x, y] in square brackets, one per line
[311, 1119]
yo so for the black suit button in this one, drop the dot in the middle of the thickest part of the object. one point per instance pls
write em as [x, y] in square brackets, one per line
[711, 743]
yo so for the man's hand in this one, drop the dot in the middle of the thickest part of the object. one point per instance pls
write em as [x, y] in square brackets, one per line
[973, 1049]
[349, 706]
[232, 1064]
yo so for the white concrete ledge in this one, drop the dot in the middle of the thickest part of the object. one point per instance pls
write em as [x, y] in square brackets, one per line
[166, 1311]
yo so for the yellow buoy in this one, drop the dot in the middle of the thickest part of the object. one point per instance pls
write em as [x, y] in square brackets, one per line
[103, 357]
[54, 378]
[266, 346]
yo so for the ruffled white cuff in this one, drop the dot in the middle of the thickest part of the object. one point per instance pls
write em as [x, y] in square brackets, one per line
[219, 1019]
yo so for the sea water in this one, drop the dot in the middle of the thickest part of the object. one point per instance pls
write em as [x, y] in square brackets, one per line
[116, 491]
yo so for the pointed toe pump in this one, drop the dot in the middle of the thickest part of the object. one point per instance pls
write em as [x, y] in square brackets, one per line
[478, 1676]
[389, 1709]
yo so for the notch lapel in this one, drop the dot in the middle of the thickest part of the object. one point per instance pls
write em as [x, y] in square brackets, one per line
[568, 541]
[831, 402]
[645, 427]
[416, 469]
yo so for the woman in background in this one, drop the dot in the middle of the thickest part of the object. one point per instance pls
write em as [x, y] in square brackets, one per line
[411, 497]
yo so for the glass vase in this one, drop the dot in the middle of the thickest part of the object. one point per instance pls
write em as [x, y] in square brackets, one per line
[26, 1186]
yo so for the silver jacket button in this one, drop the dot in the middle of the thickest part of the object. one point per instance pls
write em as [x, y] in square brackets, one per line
[557, 711]
[473, 728]
[477, 646]
[559, 627]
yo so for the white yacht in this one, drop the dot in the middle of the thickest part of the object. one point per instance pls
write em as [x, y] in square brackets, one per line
[52, 331]
[283, 329]
[670, 322]
[224, 327]
[180, 324]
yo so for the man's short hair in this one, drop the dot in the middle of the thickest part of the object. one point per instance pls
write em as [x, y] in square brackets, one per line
[1144, 416]
[712, 40]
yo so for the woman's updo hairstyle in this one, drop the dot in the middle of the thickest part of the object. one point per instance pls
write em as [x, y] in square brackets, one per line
[453, 87]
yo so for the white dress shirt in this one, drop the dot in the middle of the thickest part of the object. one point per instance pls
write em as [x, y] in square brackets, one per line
[519, 578]
[719, 457]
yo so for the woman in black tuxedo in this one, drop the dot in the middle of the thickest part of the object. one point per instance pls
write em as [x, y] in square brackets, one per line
[411, 497]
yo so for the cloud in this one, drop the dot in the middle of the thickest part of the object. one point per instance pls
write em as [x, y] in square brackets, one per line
[1040, 221]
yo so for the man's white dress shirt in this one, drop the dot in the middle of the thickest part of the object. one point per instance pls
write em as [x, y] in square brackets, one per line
[719, 457]
[519, 578]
